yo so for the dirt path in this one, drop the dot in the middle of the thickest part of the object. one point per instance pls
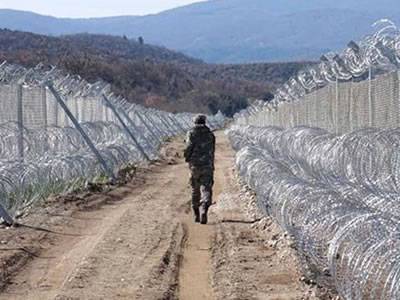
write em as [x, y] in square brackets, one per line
[195, 274]
[142, 244]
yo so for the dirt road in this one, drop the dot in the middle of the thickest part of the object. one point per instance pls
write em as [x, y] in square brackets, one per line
[139, 242]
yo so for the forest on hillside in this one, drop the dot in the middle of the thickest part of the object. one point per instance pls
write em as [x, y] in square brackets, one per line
[149, 75]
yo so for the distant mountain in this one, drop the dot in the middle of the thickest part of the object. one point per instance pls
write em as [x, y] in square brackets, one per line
[232, 31]
[149, 75]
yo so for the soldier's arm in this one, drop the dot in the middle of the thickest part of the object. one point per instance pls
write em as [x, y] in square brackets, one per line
[213, 143]
[213, 148]
[189, 147]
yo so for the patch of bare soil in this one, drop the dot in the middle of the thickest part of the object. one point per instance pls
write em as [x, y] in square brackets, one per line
[50, 220]
[138, 241]
[106, 242]
[252, 258]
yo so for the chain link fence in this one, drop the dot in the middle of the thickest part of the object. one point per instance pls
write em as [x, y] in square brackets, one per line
[59, 132]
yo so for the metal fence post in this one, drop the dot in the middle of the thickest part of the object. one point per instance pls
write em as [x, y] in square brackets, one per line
[336, 109]
[370, 104]
[351, 112]
[187, 122]
[44, 114]
[44, 107]
[147, 127]
[135, 141]
[396, 94]
[87, 139]
[165, 123]
[155, 125]
[56, 109]
[5, 216]
[20, 121]
[179, 126]
[171, 124]
[76, 107]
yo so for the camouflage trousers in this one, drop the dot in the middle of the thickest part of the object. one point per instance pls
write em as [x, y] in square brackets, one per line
[202, 181]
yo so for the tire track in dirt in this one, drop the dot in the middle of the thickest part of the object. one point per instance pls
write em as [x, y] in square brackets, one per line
[194, 276]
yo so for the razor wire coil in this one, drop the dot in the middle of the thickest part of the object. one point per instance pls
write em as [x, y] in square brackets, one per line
[338, 198]
[42, 152]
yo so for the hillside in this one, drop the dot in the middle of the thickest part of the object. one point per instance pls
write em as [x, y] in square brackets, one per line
[148, 75]
[233, 31]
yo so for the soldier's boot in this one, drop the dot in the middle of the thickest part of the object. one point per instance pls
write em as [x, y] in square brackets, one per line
[205, 202]
[196, 213]
[203, 214]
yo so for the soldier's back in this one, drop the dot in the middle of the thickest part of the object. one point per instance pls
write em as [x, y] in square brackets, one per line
[203, 147]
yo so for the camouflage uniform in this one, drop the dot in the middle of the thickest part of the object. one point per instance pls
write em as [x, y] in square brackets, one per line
[199, 153]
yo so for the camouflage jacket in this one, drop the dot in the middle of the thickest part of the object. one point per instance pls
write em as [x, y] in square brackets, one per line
[200, 147]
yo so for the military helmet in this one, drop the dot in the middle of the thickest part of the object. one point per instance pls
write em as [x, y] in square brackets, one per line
[200, 119]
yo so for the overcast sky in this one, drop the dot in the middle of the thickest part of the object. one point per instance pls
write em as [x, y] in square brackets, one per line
[93, 8]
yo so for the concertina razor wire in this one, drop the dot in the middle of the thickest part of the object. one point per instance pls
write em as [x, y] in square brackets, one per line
[323, 158]
[58, 132]
[337, 196]
[343, 92]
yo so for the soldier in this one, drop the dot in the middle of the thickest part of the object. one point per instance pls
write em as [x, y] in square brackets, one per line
[199, 153]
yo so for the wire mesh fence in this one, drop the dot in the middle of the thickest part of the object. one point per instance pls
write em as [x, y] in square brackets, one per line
[324, 160]
[358, 88]
[59, 132]
[337, 196]
[338, 107]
